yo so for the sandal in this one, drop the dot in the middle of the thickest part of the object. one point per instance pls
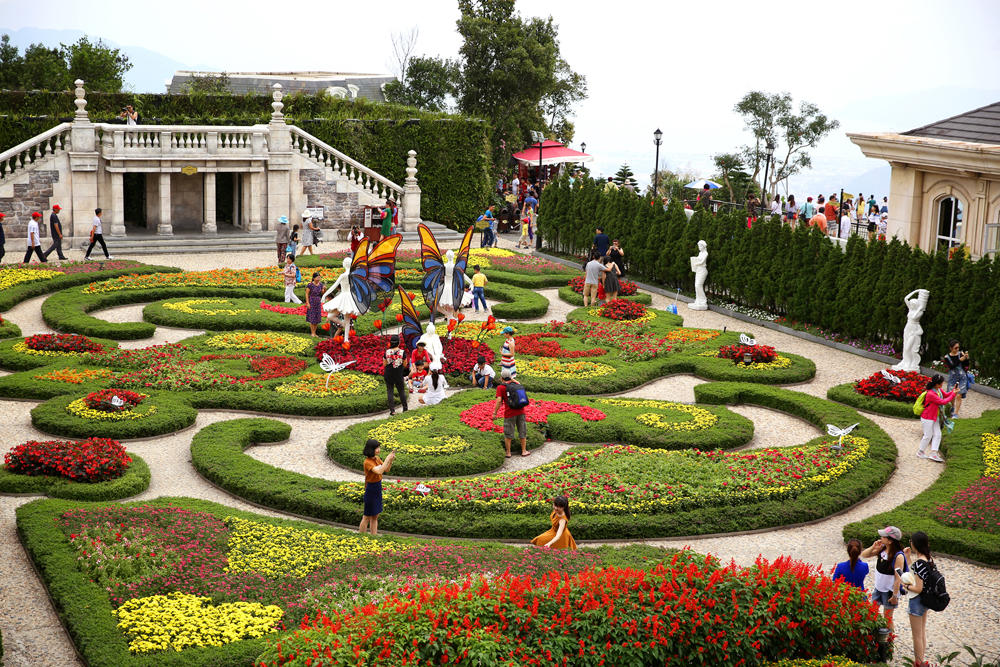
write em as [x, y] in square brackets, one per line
[525, 453]
[506, 456]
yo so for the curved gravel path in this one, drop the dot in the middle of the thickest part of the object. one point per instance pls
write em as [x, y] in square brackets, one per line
[33, 635]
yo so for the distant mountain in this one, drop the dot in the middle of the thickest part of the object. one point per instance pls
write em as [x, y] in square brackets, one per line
[150, 70]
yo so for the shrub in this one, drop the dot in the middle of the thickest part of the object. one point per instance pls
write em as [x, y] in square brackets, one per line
[759, 354]
[876, 385]
[621, 309]
[157, 415]
[133, 480]
[64, 343]
[90, 460]
[847, 393]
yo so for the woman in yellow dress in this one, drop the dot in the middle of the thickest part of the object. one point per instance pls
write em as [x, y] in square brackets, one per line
[557, 537]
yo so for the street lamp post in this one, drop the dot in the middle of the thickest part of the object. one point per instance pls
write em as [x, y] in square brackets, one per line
[539, 137]
[770, 154]
[658, 140]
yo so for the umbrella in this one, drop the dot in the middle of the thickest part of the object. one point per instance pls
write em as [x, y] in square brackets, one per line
[701, 183]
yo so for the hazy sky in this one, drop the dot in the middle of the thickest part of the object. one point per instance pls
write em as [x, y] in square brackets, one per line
[873, 65]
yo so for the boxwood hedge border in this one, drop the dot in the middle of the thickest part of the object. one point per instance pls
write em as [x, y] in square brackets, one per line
[567, 294]
[24, 291]
[845, 393]
[132, 482]
[173, 413]
[13, 360]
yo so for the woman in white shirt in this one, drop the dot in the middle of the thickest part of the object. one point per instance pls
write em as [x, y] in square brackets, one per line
[845, 224]
[776, 205]
[435, 389]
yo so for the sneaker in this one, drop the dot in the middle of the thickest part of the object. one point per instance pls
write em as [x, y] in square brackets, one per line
[920, 454]
[86, 258]
[109, 257]
[934, 456]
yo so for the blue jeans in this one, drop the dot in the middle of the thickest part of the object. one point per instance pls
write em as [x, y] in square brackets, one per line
[917, 608]
[478, 294]
[958, 378]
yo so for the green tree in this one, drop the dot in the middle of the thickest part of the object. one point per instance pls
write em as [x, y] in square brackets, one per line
[44, 69]
[11, 65]
[568, 88]
[430, 83]
[209, 84]
[100, 66]
[727, 163]
[625, 176]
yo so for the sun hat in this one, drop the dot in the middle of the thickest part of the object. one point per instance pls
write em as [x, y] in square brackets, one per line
[283, 220]
[508, 330]
[306, 214]
[892, 532]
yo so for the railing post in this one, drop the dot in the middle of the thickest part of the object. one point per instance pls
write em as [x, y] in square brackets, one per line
[278, 165]
[83, 163]
[411, 194]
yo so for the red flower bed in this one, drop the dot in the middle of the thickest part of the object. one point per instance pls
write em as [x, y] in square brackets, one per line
[61, 343]
[759, 354]
[480, 415]
[620, 309]
[101, 400]
[627, 288]
[284, 310]
[91, 460]
[911, 385]
[976, 507]
[267, 368]
[369, 350]
[676, 614]
[533, 344]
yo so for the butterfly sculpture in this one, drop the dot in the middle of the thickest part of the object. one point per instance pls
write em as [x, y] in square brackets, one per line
[411, 320]
[839, 433]
[436, 273]
[331, 367]
[890, 377]
[747, 340]
[117, 402]
[422, 489]
[373, 271]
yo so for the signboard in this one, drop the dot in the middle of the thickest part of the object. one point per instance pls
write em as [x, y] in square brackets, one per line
[315, 212]
[189, 170]
[368, 216]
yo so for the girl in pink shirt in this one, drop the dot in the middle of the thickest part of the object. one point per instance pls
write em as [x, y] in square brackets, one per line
[933, 400]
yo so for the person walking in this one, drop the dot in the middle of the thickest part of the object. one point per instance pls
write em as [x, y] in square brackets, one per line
[808, 209]
[919, 553]
[3, 237]
[435, 389]
[293, 242]
[394, 369]
[374, 469]
[601, 243]
[314, 298]
[514, 420]
[958, 363]
[305, 245]
[507, 351]
[97, 235]
[889, 558]
[617, 255]
[593, 276]
[479, 281]
[291, 275]
[934, 398]
[558, 536]
[34, 241]
[776, 205]
[791, 211]
[611, 284]
[852, 570]
[487, 239]
[55, 232]
[281, 238]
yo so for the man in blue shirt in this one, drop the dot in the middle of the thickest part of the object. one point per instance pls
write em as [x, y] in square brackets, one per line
[601, 243]
[489, 236]
[530, 202]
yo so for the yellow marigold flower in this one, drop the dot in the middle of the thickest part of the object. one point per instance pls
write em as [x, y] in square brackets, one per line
[80, 409]
[702, 418]
[553, 368]
[260, 341]
[11, 277]
[386, 434]
[188, 307]
[991, 454]
[341, 384]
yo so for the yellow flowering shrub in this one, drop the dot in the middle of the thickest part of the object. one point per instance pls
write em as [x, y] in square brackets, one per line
[275, 551]
[648, 317]
[829, 661]
[74, 375]
[11, 277]
[702, 418]
[779, 362]
[547, 367]
[23, 348]
[991, 454]
[444, 444]
[344, 383]
[80, 409]
[179, 620]
[188, 307]
[259, 341]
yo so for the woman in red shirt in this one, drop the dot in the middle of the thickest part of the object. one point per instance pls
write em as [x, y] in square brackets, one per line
[934, 398]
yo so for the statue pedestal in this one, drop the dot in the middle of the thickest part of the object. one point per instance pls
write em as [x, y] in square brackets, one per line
[694, 305]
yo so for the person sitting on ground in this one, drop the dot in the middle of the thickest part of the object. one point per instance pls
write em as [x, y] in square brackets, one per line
[852, 570]
[417, 381]
[434, 392]
[513, 418]
[420, 354]
[558, 536]
[482, 374]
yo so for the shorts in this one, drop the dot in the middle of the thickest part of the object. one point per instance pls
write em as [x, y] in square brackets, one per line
[519, 423]
[589, 290]
[958, 377]
[882, 598]
[917, 607]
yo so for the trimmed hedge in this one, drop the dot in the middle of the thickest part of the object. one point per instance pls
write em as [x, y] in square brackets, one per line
[845, 393]
[21, 361]
[516, 303]
[567, 294]
[172, 414]
[9, 330]
[134, 481]
[217, 453]
[963, 451]
[23, 291]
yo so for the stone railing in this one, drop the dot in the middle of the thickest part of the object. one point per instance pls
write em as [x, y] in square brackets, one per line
[350, 169]
[44, 145]
[136, 141]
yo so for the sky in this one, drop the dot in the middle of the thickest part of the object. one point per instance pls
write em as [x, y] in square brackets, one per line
[886, 65]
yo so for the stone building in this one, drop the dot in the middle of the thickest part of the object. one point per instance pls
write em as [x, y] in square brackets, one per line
[165, 180]
[945, 188]
[335, 84]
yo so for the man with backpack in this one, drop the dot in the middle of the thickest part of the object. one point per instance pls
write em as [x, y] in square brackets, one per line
[512, 395]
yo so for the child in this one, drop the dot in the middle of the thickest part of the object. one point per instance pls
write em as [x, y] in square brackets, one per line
[558, 536]
[525, 226]
[418, 378]
[292, 276]
[467, 297]
[293, 241]
[479, 288]
[483, 374]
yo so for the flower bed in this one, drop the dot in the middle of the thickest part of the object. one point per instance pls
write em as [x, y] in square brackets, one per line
[69, 416]
[541, 345]
[627, 288]
[368, 352]
[560, 370]
[315, 385]
[480, 416]
[520, 263]
[263, 277]
[60, 344]
[9, 277]
[267, 368]
[101, 406]
[691, 335]
[878, 394]
[977, 506]
[387, 435]
[90, 460]
[702, 418]
[196, 307]
[259, 342]
[75, 375]
[633, 342]
[71, 268]
[620, 309]
[759, 354]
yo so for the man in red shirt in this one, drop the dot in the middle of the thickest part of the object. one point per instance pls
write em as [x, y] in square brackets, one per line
[831, 209]
[819, 220]
[513, 418]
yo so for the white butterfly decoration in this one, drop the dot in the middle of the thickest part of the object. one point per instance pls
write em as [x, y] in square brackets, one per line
[890, 377]
[117, 402]
[331, 367]
[747, 340]
[422, 489]
[839, 432]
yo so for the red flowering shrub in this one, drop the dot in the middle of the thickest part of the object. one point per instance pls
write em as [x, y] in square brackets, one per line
[676, 614]
[91, 460]
[626, 336]
[627, 288]
[102, 400]
[369, 350]
[620, 309]
[912, 385]
[285, 310]
[122, 358]
[267, 368]
[480, 415]
[759, 354]
[533, 344]
[61, 343]
[976, 507]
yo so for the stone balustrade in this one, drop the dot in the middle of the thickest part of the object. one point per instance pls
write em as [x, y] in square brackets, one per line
[347, 168]
[182, 141]
[33, 150]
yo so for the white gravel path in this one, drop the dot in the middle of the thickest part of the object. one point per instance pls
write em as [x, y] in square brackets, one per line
[33, 636]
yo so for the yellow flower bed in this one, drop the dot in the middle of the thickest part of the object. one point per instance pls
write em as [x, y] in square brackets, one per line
[23, 348]
[387, 432]
[341, 384]
[75, 375]
[189, 307]
[471, 330]
[260, 341]
[481, 256]
[248, 278]
[275, 551]
[702, 418]
[779, 362]
[648, 317]
[553, 368]
[691, 335]
[11, 277]
[80, 409]
[178, 621]
[991, 454]
[829, 661]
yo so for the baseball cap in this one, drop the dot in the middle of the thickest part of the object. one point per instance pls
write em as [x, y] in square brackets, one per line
[892, 532]
[36, 214]
[56, 207]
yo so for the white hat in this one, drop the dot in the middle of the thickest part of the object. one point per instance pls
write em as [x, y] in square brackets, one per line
[283, 220]
[306, 214]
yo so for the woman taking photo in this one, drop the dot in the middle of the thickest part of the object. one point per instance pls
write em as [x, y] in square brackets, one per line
[890, 558]
[617, 256]
[957, 362]
[374, 469]
[919, 553]
[934, 398]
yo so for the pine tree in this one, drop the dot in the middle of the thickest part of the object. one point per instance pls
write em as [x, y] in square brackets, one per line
[624, 176]
[845, 309]
[830, 260]
[886, 286]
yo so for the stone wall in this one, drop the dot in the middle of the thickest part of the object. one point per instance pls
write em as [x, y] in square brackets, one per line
[35, 195]
[341, 209]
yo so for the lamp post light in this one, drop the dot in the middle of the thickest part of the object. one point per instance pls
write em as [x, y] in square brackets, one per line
[770, 154]
[657, 140]
[539, 137]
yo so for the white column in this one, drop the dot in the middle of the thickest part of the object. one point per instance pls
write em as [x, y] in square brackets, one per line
[117, 204]
[208, 220]
[165, 228]
[254, 219]
[411, 194]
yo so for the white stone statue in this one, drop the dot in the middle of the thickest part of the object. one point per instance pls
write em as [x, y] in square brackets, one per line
[916, 302]
[434, 347]
[700, 268]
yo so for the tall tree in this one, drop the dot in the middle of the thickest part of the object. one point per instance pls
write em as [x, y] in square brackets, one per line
[727, 164]
[11, 64]
[430, 83]
[403, 46]
[624, 176]
[44, 69]
[568, 88]
[100, 66]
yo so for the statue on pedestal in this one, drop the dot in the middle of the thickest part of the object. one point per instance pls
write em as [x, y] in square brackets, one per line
[916, 302]
[700, 268]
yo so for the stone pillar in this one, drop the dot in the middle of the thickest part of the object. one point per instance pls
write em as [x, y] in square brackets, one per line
[906, 204]
[411, 194]
[117, 204]
[208, 219]
[278, 166]
[83, 162]
[165, 227]
[254, 218]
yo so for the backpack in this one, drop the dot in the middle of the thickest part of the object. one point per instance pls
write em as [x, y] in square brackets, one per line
[298, 275]
[517, 397]
[918, 406]
[934, 595]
